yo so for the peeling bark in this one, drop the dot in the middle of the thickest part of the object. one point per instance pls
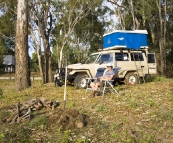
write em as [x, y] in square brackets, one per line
[22, 71]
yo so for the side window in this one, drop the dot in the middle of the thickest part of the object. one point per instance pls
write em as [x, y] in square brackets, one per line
[137, 57]
[106, 58]
[121, 57]
[151, 58]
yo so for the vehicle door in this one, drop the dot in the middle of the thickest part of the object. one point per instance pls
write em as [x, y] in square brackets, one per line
[122, 60]
[151, 63]
[103, 60]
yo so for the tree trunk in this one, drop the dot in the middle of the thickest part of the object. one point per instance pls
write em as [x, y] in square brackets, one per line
[40, 63]
[39, 54]
[161, 40]
[22, 71]
[152, 33]
[133, 14]
[164, 40]
[61, 53]
[48, 62]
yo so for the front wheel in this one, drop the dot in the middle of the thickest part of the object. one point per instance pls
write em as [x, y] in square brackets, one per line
[80, 81]
[131, 78]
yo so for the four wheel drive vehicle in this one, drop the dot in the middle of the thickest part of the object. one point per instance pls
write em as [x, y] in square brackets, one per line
[126, 50]
[132, 64]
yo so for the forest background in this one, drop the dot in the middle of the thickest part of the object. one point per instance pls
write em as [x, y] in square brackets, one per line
[75, 28]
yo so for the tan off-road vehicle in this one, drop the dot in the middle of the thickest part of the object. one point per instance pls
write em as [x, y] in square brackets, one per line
[126, 50]
[132, 65]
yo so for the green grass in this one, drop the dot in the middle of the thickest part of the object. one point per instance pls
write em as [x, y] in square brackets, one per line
[142, 114]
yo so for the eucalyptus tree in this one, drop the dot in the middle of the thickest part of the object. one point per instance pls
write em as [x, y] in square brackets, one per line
[89, 32]
[127, 6]
[152, 15]
[22, 72]
[40, 27]
[71, 12]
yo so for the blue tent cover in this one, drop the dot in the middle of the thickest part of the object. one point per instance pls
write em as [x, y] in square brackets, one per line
[128, 39]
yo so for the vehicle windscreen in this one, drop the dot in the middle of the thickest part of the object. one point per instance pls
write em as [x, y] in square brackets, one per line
[106, 58]
[91, 59]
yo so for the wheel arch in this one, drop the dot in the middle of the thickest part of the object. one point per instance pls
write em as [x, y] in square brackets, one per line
[82, 72]
[133, 72]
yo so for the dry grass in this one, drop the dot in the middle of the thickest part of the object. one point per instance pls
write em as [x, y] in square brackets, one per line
[143, 113]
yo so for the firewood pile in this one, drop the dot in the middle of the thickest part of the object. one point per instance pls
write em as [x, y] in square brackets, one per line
[23, 111]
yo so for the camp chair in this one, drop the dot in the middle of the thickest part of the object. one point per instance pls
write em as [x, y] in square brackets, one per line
[106, 84]
[99, 73]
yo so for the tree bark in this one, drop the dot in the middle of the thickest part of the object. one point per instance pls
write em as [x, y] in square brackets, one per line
[164, 40]
[161, 40]
[46, 35]
[133, 14]
[40, 63]
[22, 71]
[37, 44]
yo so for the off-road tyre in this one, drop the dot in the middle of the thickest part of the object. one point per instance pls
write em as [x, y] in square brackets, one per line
[131, 79]
[80, 81]
[57, 82]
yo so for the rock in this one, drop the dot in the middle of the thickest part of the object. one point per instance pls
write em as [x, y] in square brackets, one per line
[79, 125]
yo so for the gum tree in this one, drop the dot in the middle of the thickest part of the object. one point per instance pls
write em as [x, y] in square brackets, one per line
[22, 72]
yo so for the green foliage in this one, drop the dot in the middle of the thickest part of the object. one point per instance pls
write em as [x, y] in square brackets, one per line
[2, 137]
[83, 139]
[66, 136]
[7, 27]
[160, 79]
[146, 12]
[20, 134]
[39, 122]
[1, 93]
[133, 103]
[71, 104]
[165, 115]
[87, 31]
[34, 63]
[101, 108]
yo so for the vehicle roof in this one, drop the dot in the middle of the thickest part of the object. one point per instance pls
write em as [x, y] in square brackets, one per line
[127, 31]
[112, 51]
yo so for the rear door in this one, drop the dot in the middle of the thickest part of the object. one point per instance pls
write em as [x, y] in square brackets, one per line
[140, 62]
[151, 63]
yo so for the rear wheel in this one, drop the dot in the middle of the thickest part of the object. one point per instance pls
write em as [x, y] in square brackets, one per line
[80, 81]
[131, 78]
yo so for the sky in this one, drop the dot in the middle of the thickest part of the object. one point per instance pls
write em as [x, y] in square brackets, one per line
[108, 4]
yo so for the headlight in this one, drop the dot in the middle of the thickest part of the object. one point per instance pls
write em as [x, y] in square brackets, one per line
[69, 70]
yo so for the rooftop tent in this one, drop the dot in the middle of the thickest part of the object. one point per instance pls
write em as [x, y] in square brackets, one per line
[126, 39]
